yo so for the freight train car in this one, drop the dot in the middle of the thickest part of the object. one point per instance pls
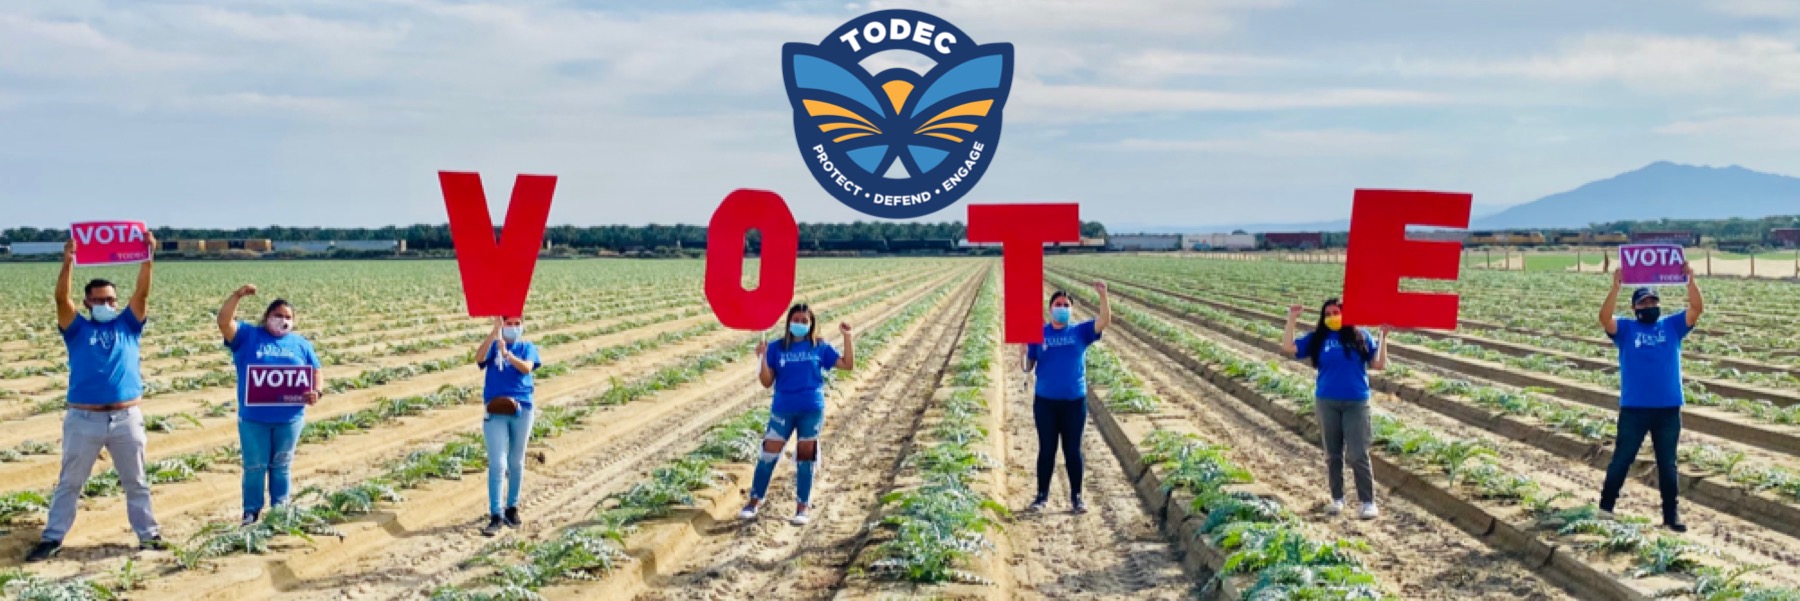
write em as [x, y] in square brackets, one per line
[1682, 238]
[1511, 238]
[1785, 237]
[1135, 242]
[1293, 240]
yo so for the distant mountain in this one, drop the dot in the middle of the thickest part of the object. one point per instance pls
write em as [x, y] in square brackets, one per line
[1661, 190]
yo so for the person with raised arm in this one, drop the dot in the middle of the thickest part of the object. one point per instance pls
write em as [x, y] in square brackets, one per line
[1059, 397]
[508, 360]
[795, 367]
[106, 387]
[1650, 394]
[1343, 355]
[268, 434]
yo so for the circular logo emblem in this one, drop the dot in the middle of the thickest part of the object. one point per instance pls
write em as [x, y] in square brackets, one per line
[899, 143]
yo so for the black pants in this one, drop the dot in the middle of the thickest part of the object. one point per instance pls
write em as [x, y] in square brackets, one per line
[1064, 421]
[1663, 424]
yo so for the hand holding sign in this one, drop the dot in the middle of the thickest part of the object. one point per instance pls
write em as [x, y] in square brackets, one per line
[1653, 264]
[110, 242]
[280, 385]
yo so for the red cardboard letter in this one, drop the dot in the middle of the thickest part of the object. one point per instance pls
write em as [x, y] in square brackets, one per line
[1022, 231]
[742, 211]
[1379, 255]
[496, 275]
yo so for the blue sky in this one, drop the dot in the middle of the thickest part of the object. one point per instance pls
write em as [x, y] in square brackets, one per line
[1169, 112]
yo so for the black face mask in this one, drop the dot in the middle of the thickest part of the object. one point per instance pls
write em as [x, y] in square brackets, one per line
[1648, 315]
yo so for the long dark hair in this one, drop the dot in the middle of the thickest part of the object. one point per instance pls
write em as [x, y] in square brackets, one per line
[812, 331]
[1349, 336]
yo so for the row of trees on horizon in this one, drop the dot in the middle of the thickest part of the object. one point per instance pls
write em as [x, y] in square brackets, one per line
[617, 237]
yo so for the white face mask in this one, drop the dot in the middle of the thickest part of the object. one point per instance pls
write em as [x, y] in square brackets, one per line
[278, 325]
[512, 333]
[103, 313]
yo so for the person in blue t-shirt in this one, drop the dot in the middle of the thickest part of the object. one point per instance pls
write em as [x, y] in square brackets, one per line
[1343, 355]
[105, 388]
[267, 433]
[1650, 396]
[1059, 403]
[795, 367]
[508, 360]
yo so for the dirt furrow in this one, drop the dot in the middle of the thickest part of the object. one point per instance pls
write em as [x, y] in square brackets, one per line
[861, 450]
[1116, 551]
[1412, 551]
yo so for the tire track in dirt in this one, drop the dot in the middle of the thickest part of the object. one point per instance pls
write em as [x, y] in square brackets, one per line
[411, 568]
[1116, 551]
[1411, 550]
[861, 455]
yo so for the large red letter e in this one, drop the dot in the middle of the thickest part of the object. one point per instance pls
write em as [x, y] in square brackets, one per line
[496, 276]
[1380, 255]
[742, 211]
[1022, 231]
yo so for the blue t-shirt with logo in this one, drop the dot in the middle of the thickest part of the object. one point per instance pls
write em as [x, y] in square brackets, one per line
[254, 345]
[1650, 361]
[800, 375]
[1062, 361]
[103, 359]
[1341, 377]
[504, 380]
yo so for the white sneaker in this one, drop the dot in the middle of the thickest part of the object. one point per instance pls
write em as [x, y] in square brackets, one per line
[1336, 507]
[749, 512]
[800, 517]
[1369, 511]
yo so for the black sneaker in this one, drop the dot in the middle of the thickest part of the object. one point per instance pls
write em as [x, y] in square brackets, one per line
[154, 543]
[250, 518]
[44, 550]
[493, 525]
[1077, 507]
[1675, 526]
[1037, 505]
[512, 518]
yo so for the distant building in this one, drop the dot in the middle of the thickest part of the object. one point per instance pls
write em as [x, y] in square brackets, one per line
[1138, 242]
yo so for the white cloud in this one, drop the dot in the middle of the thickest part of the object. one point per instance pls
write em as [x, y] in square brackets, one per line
[1341, 143]
[1158, 65]
[1183, 17]
[1042, 102]
[1781, 9]
[1780, 131]
[1697, 65]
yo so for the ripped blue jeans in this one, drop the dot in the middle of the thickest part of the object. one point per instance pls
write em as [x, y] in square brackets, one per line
[782, 426]
[268, 450]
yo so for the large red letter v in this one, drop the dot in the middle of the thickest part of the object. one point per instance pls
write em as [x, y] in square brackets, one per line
[496, 275]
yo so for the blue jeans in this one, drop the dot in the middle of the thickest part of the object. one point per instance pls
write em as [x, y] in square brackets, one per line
[782, 426]
[1663, 425]
[268, 453]
[506, 436]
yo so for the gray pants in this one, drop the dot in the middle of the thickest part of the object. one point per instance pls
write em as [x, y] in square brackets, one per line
[1345, 428]
[121, 433]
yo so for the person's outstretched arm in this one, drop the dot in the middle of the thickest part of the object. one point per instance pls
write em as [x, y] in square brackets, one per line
[766, 374]
[1381, 355]
[847, 360]
[487, 344]
[228, 312]
[1105, 318]
[1287, 335]
[1608, 308]
[65, 306]
[1696, 301]
[140, 297]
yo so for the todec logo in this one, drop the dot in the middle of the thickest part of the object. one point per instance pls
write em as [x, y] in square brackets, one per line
[897, 144]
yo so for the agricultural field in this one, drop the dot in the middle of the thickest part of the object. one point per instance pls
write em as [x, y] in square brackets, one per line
[1202, 462]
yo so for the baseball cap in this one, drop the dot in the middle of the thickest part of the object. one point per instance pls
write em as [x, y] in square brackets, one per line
[1638, 296]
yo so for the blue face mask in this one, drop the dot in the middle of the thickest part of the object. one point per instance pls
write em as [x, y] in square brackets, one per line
[1060, 314]
[799, 330]
[103, 313]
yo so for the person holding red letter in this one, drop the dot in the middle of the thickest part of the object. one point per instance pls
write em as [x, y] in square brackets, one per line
[1059, 406]
[795, 367]
[1343, 355]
